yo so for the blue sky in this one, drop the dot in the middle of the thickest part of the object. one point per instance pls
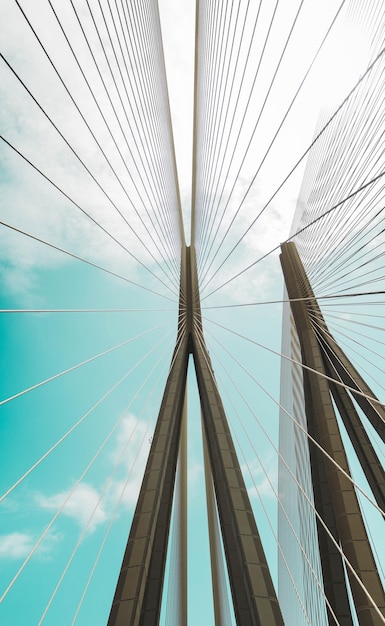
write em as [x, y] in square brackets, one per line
[37, 346]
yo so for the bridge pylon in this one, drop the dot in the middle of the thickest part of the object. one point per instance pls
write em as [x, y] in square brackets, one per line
[138, 596]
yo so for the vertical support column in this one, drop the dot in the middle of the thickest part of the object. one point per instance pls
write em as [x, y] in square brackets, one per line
[219, 615]
[332, 566]
[254, 599]
[350, 525]
[183, 517]
[138, 595]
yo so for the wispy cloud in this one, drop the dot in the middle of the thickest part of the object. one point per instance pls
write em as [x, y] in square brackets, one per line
[15, 545]
[79, 505]
[18, 545]
[30, 202]
[90, 505]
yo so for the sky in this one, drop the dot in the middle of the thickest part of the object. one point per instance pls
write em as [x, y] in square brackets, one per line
[108, 405]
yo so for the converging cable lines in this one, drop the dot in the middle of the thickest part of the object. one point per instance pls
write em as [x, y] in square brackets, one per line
[86, 261]
[146, 168]
[301, 230]
[239, 240]
[99, 185]
[92, 219]
[372, 68]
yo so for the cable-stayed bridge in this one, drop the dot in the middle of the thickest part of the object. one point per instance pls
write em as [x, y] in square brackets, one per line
[286, 127]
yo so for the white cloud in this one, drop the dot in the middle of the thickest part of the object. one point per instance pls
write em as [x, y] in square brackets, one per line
[27, 200]
[15, 545]
[92, 506]
[79, 505]
[88, 505]
[18, 545]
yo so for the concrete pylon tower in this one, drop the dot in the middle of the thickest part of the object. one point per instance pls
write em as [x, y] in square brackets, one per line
[329, 376]
[138, 595]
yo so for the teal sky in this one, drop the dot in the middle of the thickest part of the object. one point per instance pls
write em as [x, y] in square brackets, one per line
[125, 331]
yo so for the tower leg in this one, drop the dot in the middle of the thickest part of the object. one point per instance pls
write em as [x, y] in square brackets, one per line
[254, 599]
[138, 595]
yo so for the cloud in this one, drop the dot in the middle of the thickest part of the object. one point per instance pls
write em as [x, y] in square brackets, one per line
[127, 466]
[18, 545]
[30, 202]
[79, 505]
[88, 505]
[15, 545]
